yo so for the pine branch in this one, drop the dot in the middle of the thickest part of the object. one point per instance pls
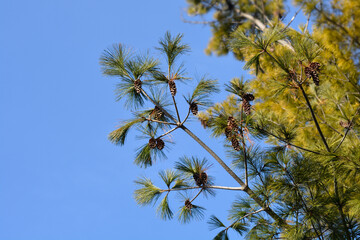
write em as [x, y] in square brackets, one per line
[259, 201]
[207, 186]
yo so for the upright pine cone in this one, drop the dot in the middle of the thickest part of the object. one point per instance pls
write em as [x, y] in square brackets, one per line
[194, 108]
[235, 144]
[152, 143]
[156, 113]
[188, 204]
[172, 87]
[246, 106]
[137, 85]
[160, 143]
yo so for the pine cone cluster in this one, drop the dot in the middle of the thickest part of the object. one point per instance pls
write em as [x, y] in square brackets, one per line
[247, 97]
[200, 178]
[188, 204]
[160, 144]
[137, 86]
[172, 87]
[312, 71]
[152, 143]
[156, 113]
[194, 108]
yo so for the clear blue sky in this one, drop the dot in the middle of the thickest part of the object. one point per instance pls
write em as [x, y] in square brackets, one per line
[60, 178]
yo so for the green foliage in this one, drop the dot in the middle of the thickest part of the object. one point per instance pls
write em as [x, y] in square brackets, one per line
[189, 166]
[164, 210]
[172, 47]
[202, 92]
[187, 214]
[148, 194]
[118, 136]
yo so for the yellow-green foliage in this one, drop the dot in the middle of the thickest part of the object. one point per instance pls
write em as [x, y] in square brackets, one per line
[282, 113]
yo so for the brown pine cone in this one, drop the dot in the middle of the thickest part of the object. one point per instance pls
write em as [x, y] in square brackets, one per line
[204, 178]
[160, 144]
[235, 144]
[197, 179]
[152, 143]
[232, 123]
[228, 132]
[137, 86]
[172, 87]
[246, 106]
[194, 108]
[315, 66]
[188, 204]
[156, 113]
[308, 72]
[315, 78]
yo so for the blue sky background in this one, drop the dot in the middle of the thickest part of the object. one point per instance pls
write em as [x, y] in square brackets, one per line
[60, 178]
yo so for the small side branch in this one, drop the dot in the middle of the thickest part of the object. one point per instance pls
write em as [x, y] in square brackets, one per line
[168, 132]
[314, 118]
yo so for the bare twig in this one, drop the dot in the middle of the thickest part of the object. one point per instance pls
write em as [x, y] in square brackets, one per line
[196, 195]
[168, 132]
[188, 114]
